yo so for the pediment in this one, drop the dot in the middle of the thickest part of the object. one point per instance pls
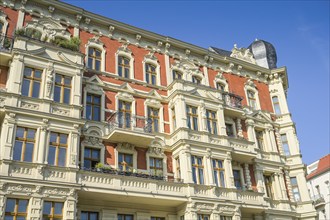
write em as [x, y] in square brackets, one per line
[127, 88]
[260, 116]
[95, 79]
[154, 94]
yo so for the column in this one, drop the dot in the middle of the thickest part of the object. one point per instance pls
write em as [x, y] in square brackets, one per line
[70, 209]
[35, 207]
[239, 128]
[278, 191]
[250, 130]
[221, 120]
[247, 175]
[185, 164]
[208, 168]
[206, 76]
[282, 184]
[43, 143]
[229, 172]
[268, 143]
[259, 178]
[169, 78]
[273, 140]
[180, 112]
[20, 19]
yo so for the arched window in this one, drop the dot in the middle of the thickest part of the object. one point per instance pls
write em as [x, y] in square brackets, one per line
[177, 74]
[252, 99]
[276, 105]
[33, 33]
[221, 86]
[124, 66]
[151, 75]
[94, 59]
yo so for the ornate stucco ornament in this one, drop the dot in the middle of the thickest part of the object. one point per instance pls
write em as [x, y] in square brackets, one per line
[242, 54]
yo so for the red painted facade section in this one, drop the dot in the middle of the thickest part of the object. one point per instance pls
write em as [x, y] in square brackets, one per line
[110, 153]
[3, 76]
[11, 19]
[264, 96]
[169, 162]
[141, 158]
[253, 178]
[212, 73]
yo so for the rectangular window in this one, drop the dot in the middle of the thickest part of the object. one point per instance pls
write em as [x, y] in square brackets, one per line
[156, 166]
[276, 105]
[220, 87]
[222, 217]
[125, 217]
[285, 144]
[237, 179]
[89, 215]
[125, 162]
[252, 99]
[211, 117]
[176, 74]
[52, 210]
[178, 170]
[153, 118]
[24, 144]
[203, 217]
[157, 218]
[91, 157]
[62, 89]
[260, 139]
[58, 145]
[219, 172]
[269, 186]
[31, 82]
[93, 107]
[295, 189]
[151, 75]
[196, 80]
[230, 130]
[94, 59]
[173, 118]
[123, 66]
[197, 169]
[124, 114]
[192, 117]
[16, 209]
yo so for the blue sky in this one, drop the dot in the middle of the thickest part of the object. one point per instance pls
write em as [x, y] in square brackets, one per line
[299, 30]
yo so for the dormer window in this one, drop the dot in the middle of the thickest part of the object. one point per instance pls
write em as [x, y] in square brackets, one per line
[94, 59]
[176, 74]
[221, 87]
[151, 75]
[196, 80]
[124, 66]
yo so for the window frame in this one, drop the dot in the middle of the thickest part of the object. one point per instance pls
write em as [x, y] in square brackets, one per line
[94, 58]
[122, 114]
[93, 106]
[124, 164]
[196, 79]
[175, 73]
[62, 87]
[212, 121]
[151, 117]
[32, 80]
[192, 118]
[196, 175]
[201, 216]
[16, 214]
[293, 187]
[25, 140]
[125, 215]
[52, 214]
[276, 105]
[57, 146]
[218, 170]
[123, 66]
[93, 160]
[90, 212]
[148, 74]
[285, 144]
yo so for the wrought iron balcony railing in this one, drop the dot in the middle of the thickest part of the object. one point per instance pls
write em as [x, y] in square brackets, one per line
[128, 122]
[318, 199]
[232, 100]
[6, 43]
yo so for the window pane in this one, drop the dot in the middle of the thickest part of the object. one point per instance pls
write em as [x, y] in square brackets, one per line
[63, 138]
[58, 208]
[93, 216]
[25, 87]
[7, 217]
[17, 150]
[22, 205]
[58, 78]
[47, 208]
[97, 99]
[97, 65]
[37, 74]
[66, 98]
[20, 218]
[10, 206]
[51, 155]
[20, 132]
[28, 152]
[53, 137]
[30, 134]
[126, 73]
[36, 88]
[96, 154]
[84, 216]
[87, 164]
[89, 112]
[57, 94]
[62, 156]
[96, 116]
[67, 81]
[90, 62]
[28, 72]
[120, 70]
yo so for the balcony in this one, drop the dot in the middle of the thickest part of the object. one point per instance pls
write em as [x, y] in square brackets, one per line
[243, 150]
[318, 201]
[135, 130]
[232, 100]
[6, 45]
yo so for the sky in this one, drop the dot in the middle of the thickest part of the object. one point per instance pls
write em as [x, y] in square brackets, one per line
[299, 30]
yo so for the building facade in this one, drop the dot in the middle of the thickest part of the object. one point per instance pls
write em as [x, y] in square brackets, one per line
[102, 120]
[318, 177]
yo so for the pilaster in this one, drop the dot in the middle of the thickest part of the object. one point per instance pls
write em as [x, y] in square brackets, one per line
[229, 171]
[208, 168]
[250, 130]
[259, 178]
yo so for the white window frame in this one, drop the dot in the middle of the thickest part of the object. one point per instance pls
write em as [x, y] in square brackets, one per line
[220, 79]
[126, 97]
[238, 167]
[126, 148]
[151, 59]
[279, 104]
[89, 143]
[125, 52]
[156, 151]
[96, 90]
[153, 103]
[95, 43]
[250, 86]
[233, 123]
[176, 68]
[68, 150]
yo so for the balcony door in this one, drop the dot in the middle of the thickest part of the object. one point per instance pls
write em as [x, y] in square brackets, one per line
[124, 114]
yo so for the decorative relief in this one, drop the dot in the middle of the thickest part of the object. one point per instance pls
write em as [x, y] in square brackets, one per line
[242, 54]
[54, 191]
[49, 80]
[125, 147]
[226, 208]
[60, 111]
[203, 206]
[194, 137]
[157, 151]
[19, 188]
[30, 106]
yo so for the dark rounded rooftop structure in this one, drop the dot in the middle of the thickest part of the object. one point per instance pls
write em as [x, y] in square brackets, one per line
[264, 53]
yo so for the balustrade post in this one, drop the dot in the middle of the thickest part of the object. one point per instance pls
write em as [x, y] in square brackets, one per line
[239, 128]
[247, 175]
[259, 178]
[250, 129]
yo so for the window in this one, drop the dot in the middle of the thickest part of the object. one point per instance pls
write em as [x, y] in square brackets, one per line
[219, 172]
[1, 27]
[173, 118]
[125, 162]
[62, 89]
[237, 179]
[124, 114]
[89, 215]
[156, 166]
[176, 74]
[178, 170]
[211, 121]
[123, 67]
[221, 87]
[153, 118]
[58, 144]
[197, 169]
[31, 82]
[276, 105]
[260, 139]
[24, 144]
[157, 218]
[33, 33]
[230, 130]
[192, 117]
[16, 209]
[91, 157]
[285, 144]
[182, 217]
[196, 80]
[222, 217]
[125, 217]
[295, 189]
[151, 75]
[203, 217]
[94, 59]
[252, 99]
[52, 210]
[269, 186]
[93, 107]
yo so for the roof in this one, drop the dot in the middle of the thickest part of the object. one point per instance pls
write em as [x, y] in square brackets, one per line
[219, 51]
[323, 166]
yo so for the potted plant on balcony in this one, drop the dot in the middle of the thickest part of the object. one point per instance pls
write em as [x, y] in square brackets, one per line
[99, 167]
